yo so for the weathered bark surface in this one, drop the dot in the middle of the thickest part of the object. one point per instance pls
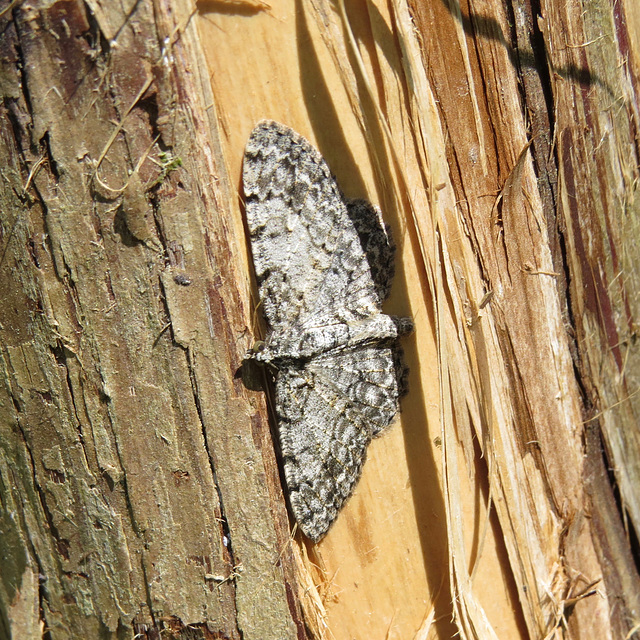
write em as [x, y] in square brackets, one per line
[138, 484]
[137, 490]
[558, 250]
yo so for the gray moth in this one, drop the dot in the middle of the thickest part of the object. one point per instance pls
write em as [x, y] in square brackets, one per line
[324, 265]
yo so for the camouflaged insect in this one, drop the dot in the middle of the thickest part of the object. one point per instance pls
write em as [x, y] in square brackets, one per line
[324, 265]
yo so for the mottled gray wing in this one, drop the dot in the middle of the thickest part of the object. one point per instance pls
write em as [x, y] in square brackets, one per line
[375, 239]
[309, 261]
[328, 412]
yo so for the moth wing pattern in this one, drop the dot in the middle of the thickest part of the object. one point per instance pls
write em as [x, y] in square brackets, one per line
[310, 265]
[325, 425]
[376, 242]
[320, 260]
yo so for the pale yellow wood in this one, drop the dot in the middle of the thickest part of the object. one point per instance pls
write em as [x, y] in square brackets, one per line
[473, 511]
[385, 561]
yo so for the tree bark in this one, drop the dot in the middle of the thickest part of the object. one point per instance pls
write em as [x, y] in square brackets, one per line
[139, 487]
[138, 483]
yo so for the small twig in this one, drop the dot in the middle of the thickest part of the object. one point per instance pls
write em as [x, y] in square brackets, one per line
[118, 128]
